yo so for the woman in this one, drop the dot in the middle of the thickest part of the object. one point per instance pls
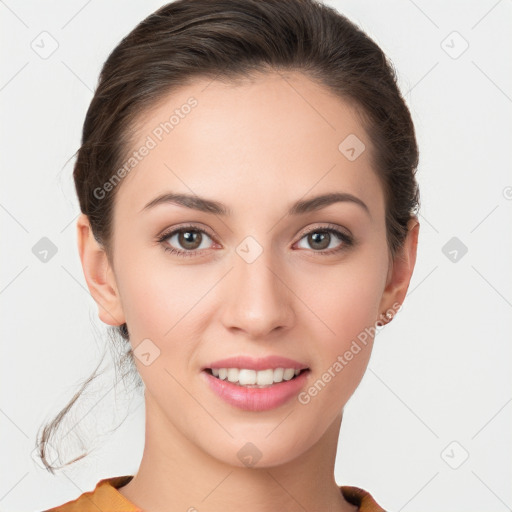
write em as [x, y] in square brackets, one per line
[247, 187]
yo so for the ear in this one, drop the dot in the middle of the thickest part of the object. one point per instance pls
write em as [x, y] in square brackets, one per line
[400, 272]
[98, 274]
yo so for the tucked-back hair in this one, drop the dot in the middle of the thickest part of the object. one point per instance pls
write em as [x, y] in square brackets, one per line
[228, 40]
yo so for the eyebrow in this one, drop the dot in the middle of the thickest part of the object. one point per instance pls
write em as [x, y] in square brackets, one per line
[301, 207]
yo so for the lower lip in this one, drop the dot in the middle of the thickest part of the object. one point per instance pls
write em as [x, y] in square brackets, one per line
[256, 399]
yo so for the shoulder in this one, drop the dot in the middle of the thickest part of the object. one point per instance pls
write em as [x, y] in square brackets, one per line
[104, 497]
[361, 498]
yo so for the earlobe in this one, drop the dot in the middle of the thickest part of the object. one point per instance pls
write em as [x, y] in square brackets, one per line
[98, 274]
[400, 272]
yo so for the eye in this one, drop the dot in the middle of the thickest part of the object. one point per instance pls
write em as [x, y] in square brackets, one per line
[190, 238]
[321, 239]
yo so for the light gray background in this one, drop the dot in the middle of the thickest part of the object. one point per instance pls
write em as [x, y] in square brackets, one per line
[438, 387]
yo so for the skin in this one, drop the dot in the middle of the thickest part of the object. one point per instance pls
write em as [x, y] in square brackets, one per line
[256, 146]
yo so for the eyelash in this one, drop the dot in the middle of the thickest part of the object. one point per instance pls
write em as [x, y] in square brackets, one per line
[329, 228]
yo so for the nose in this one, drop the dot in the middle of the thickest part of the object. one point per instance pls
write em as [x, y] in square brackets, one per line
[257, 299]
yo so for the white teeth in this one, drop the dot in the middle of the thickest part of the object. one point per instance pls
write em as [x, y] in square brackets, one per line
[278, 374]
[233, 374]
[246, 377]
[288, 373]
[264, 377]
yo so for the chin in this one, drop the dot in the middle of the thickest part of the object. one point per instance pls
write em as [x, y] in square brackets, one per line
[260, 450]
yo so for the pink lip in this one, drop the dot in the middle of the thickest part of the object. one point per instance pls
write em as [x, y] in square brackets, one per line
[256, 399]
[250, 363]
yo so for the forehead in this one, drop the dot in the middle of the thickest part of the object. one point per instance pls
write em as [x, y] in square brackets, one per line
[274, 137]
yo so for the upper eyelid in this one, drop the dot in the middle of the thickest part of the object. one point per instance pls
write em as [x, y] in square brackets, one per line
[166, 233]
[329, 226]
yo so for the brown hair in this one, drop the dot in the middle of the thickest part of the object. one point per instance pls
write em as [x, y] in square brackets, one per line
[227, 40]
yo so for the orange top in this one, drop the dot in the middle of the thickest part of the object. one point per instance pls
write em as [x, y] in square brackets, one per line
[107, 498]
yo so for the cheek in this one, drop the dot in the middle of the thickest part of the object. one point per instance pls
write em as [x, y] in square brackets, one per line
[161, 303]
[344, 345]
[343, 309]
[160, 297]
[344, 299]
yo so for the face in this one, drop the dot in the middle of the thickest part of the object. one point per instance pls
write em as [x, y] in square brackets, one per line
[262, 278]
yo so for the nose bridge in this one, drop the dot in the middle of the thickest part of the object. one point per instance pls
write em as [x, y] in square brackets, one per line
[257, 300]
[253, 276]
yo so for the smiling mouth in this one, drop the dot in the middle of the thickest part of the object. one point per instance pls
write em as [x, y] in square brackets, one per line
[250, 378]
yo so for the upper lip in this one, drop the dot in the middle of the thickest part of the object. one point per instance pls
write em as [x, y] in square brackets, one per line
[251, 363]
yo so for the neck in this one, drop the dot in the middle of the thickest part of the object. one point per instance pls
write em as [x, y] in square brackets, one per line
[176, 475]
